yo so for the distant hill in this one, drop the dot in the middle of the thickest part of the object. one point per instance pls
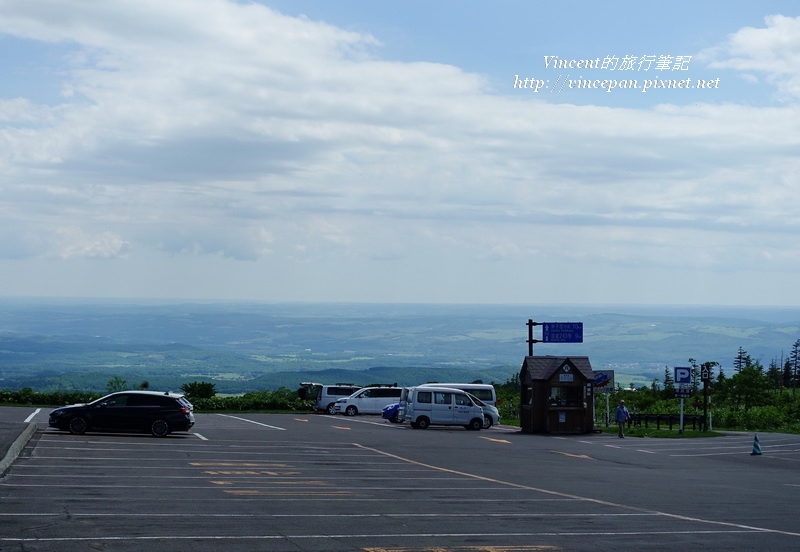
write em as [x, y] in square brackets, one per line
[68, 344]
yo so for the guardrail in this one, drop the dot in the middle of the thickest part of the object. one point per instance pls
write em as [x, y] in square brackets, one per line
[667, 419]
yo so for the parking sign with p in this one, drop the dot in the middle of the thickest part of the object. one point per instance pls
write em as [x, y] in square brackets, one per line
[683, 375]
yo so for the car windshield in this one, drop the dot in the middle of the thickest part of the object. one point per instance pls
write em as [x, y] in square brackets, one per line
[476, 400]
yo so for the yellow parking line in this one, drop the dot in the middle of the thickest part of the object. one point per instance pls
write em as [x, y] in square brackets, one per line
[287, 493]
[251, 472]
[271, 482]
[481, 548]
[496, 440]
[572, 455]
[239, 465]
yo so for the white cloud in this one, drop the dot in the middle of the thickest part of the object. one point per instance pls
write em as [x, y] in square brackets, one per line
[772, 51]
[208, 128]
[76, 243]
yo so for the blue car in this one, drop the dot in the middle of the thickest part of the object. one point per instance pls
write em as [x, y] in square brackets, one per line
[390, 412]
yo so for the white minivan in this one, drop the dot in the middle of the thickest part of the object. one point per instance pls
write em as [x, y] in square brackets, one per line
[369, 400]
[484, 391]
[423, 406]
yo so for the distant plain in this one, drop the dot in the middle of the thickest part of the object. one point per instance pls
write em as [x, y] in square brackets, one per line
[60, 344]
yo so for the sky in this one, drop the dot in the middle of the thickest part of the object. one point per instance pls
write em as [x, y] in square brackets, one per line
[515, 151]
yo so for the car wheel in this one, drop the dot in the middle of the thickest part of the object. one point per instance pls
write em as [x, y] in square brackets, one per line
[331, 409]
[160, 428]
[423, 423]
[476, 424]
[487, 422]
[396, 419]
[350, 411]
[78, 426]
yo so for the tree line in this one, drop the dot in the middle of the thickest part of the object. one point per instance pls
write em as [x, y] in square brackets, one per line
[754, 397]
[203, 396]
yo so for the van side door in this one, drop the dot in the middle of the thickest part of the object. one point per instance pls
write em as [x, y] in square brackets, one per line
[442, 411]
[464, 409]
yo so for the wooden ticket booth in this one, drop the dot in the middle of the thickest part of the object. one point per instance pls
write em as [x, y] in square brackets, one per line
[557, 394]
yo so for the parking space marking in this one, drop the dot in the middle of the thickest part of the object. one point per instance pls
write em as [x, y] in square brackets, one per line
[384, 423]
[734, 526]
[239, 464]
[350, 536]
[517, 515]
[482, 548]
[252, 484]
[252, 422]
[252, 472]
[294, 493]
[496, 440]
[571, 455]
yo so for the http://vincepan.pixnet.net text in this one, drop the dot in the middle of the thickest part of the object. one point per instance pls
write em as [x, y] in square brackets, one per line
[637, 73]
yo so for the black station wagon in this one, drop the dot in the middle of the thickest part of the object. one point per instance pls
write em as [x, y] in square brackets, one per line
[136, 411]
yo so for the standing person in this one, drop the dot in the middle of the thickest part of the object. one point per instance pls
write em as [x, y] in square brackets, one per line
[622, 416]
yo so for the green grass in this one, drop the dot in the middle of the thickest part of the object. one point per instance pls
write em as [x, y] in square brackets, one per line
[652, 432]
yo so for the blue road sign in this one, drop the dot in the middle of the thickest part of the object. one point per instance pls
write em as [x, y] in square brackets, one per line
[683, 375]
[562, 332]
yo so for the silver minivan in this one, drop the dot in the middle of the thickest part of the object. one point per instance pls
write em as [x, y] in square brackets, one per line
[425, 405]
[325, 396]
[484, 391]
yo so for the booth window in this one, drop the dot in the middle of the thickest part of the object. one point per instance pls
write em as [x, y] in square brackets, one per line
[527, 395]
[566, 396]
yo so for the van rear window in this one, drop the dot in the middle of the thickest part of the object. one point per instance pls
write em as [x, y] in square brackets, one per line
[482, 394]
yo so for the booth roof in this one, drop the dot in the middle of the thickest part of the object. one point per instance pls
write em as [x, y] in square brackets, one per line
[542, 367]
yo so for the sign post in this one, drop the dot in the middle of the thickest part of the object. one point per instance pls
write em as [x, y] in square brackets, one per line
[683, 381]
[705, 377]
[604, 383]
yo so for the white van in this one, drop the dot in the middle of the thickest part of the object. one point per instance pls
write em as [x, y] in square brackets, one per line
[369, 400]
[426, 405]
[325, 396]
[484, 391]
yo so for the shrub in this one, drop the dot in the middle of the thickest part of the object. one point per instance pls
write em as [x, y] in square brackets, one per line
[280, 399]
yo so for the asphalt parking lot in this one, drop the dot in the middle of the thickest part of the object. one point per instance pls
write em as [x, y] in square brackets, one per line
[330, 483]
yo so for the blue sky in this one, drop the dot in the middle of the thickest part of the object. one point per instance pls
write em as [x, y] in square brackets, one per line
[379, 152]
